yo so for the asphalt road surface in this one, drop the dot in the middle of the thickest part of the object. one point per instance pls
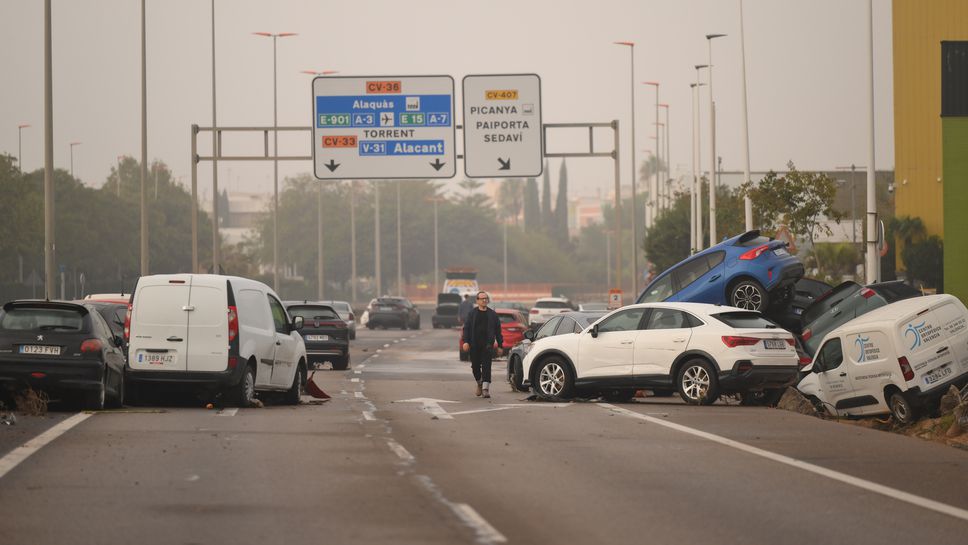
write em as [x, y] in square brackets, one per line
[406, 453]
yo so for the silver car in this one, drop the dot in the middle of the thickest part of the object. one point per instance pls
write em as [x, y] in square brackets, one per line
[346, 313]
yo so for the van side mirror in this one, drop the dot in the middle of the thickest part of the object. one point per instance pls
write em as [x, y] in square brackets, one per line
[529, 334]
[594, 331]
[297, 323]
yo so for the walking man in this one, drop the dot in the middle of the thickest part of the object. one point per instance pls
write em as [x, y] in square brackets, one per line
[465, 307]
[482, 328]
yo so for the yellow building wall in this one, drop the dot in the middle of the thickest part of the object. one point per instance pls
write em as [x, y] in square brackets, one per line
[919, 27]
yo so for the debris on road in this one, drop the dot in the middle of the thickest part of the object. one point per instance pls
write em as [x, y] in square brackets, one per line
[31, 402]
[314, 390]
[793, 400]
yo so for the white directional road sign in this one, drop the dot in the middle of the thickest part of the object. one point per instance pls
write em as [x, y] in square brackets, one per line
[383, 127]
[502, 126]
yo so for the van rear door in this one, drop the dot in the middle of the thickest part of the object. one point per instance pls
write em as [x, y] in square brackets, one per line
[159, 327]
[208, 330]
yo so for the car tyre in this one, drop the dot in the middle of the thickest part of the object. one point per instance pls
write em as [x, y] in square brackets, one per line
[94, 401]
[516, 375]
[748, 294]
[298, 385]
[342, 363]
[243, 393]
[901, 408]
[117, 401]
[553, 379]
[418, 323]
[697, 382]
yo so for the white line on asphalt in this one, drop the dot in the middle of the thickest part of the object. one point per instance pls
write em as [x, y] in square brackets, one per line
[480, 411]
[485, 532]
[398, 449]
[227, 412]
[357, 372]
[21, 453]
[358, 395]
[354, 380]
[395, 341]
[899, 495]
[368, 415]
[386, 346]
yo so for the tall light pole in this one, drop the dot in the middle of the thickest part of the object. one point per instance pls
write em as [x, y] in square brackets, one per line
[712, 144]
[435, 199]
[635, 206]
[275, 158]
[144, 145]
[72, 144]
[668, 159]
[48, 158]
[353, 241]
[20, 146]
[745, 140]
[376, 239]
[695, 169]
[216, 237]
[872, 262]
[505, 258]
[698, 158]
[319, 221]
[659, 158]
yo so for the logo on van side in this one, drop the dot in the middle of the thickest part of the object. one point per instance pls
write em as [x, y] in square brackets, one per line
[861, 343]
[916, 331]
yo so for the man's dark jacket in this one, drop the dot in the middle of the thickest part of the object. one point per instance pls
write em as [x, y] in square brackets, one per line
[493, 327]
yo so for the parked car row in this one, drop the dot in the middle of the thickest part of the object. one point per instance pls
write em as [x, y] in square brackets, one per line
[208, 334]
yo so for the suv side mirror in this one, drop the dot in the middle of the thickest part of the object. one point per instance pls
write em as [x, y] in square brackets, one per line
[529, 334]
[297, 323]
[594, 331]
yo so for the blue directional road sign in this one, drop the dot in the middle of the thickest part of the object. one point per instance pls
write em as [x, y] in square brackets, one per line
[383, 127]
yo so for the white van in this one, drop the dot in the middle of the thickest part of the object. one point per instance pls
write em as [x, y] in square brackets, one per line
[897, 359]
[213, 333]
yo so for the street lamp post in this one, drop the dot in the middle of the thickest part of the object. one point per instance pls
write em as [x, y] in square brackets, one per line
[48, 157]
[665, 153]
[144, 145]
[216, 238]
[697, 157]
[353, 241]
[399, 247]
[635, 223]
[745, 140]
[72, 155]
[20, 146]
[871, 261]
[275, 158]
[376, 239]
[435, 199]
[654, 191]
[712, 144]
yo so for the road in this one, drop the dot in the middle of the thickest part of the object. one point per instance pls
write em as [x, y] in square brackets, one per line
[405, 453]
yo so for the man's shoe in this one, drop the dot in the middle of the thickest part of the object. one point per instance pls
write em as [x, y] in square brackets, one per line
[486, 393]
[479, 390]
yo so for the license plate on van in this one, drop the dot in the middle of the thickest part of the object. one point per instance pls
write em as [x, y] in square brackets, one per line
[317, 337]
[39, 349]
[937, 375]
[774, 344]
[157, 358]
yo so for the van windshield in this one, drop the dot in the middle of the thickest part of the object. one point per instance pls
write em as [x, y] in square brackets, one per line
[856, 305]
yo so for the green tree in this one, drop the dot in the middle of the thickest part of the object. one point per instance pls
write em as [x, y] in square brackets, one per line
[532, 206]
[510, 198]
[560, 232]
[547, 217]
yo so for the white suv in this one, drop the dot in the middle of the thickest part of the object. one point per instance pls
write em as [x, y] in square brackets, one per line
[699, 349]
[546, 307]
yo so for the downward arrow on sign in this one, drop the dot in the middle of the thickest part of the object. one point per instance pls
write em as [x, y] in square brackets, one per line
[331, 165]
[505, 165]
[437, 164]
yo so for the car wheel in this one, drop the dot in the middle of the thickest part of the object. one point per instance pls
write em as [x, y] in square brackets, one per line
[118, 400]
[553, 379]
[748, 295]
[698, 383]
[618, 396]
[94, 401]
[901, 408]
[418, 323]
[342, 363]
[295, 391]
[243, 393]
[403, 324]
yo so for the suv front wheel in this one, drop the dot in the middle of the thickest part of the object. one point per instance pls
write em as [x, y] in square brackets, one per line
[697, 382]
[553, 379]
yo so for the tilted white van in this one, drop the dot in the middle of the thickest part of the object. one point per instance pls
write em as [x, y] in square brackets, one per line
[213, 333]
[897, 359]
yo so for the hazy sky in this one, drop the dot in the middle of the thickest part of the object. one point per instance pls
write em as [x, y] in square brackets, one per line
[806, 67]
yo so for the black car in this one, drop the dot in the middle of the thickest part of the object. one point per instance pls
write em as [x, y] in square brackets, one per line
[803, 294]
[844, 303]
[571, 322]
[64, 349]
[446, 314]
[325, 334]
[392, 311]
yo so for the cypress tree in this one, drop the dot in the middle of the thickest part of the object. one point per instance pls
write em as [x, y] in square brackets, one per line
[561, 206]
[532, 208]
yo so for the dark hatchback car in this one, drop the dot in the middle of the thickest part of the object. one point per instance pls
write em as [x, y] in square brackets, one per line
[844, 303]
[392, 311]
[325, 334]
[571, 322]
[447, 312]
[748, 271]
[64, 349]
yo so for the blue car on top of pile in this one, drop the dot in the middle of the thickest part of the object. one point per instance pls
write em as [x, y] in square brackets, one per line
[748, 271]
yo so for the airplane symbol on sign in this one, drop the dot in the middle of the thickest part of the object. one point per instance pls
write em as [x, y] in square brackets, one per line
[387, 120]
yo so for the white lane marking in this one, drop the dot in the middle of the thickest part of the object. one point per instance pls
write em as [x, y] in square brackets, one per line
[403, 339]
[386, 346]
[192, 478]
[480, 411]
[354, 380]
[485, 532]
[358, 395]
[21, 453]
[395, 341]
[398, 449]
[894, 493]
[227, 412]
[431, 406]
[357, 372]
[368, 415]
